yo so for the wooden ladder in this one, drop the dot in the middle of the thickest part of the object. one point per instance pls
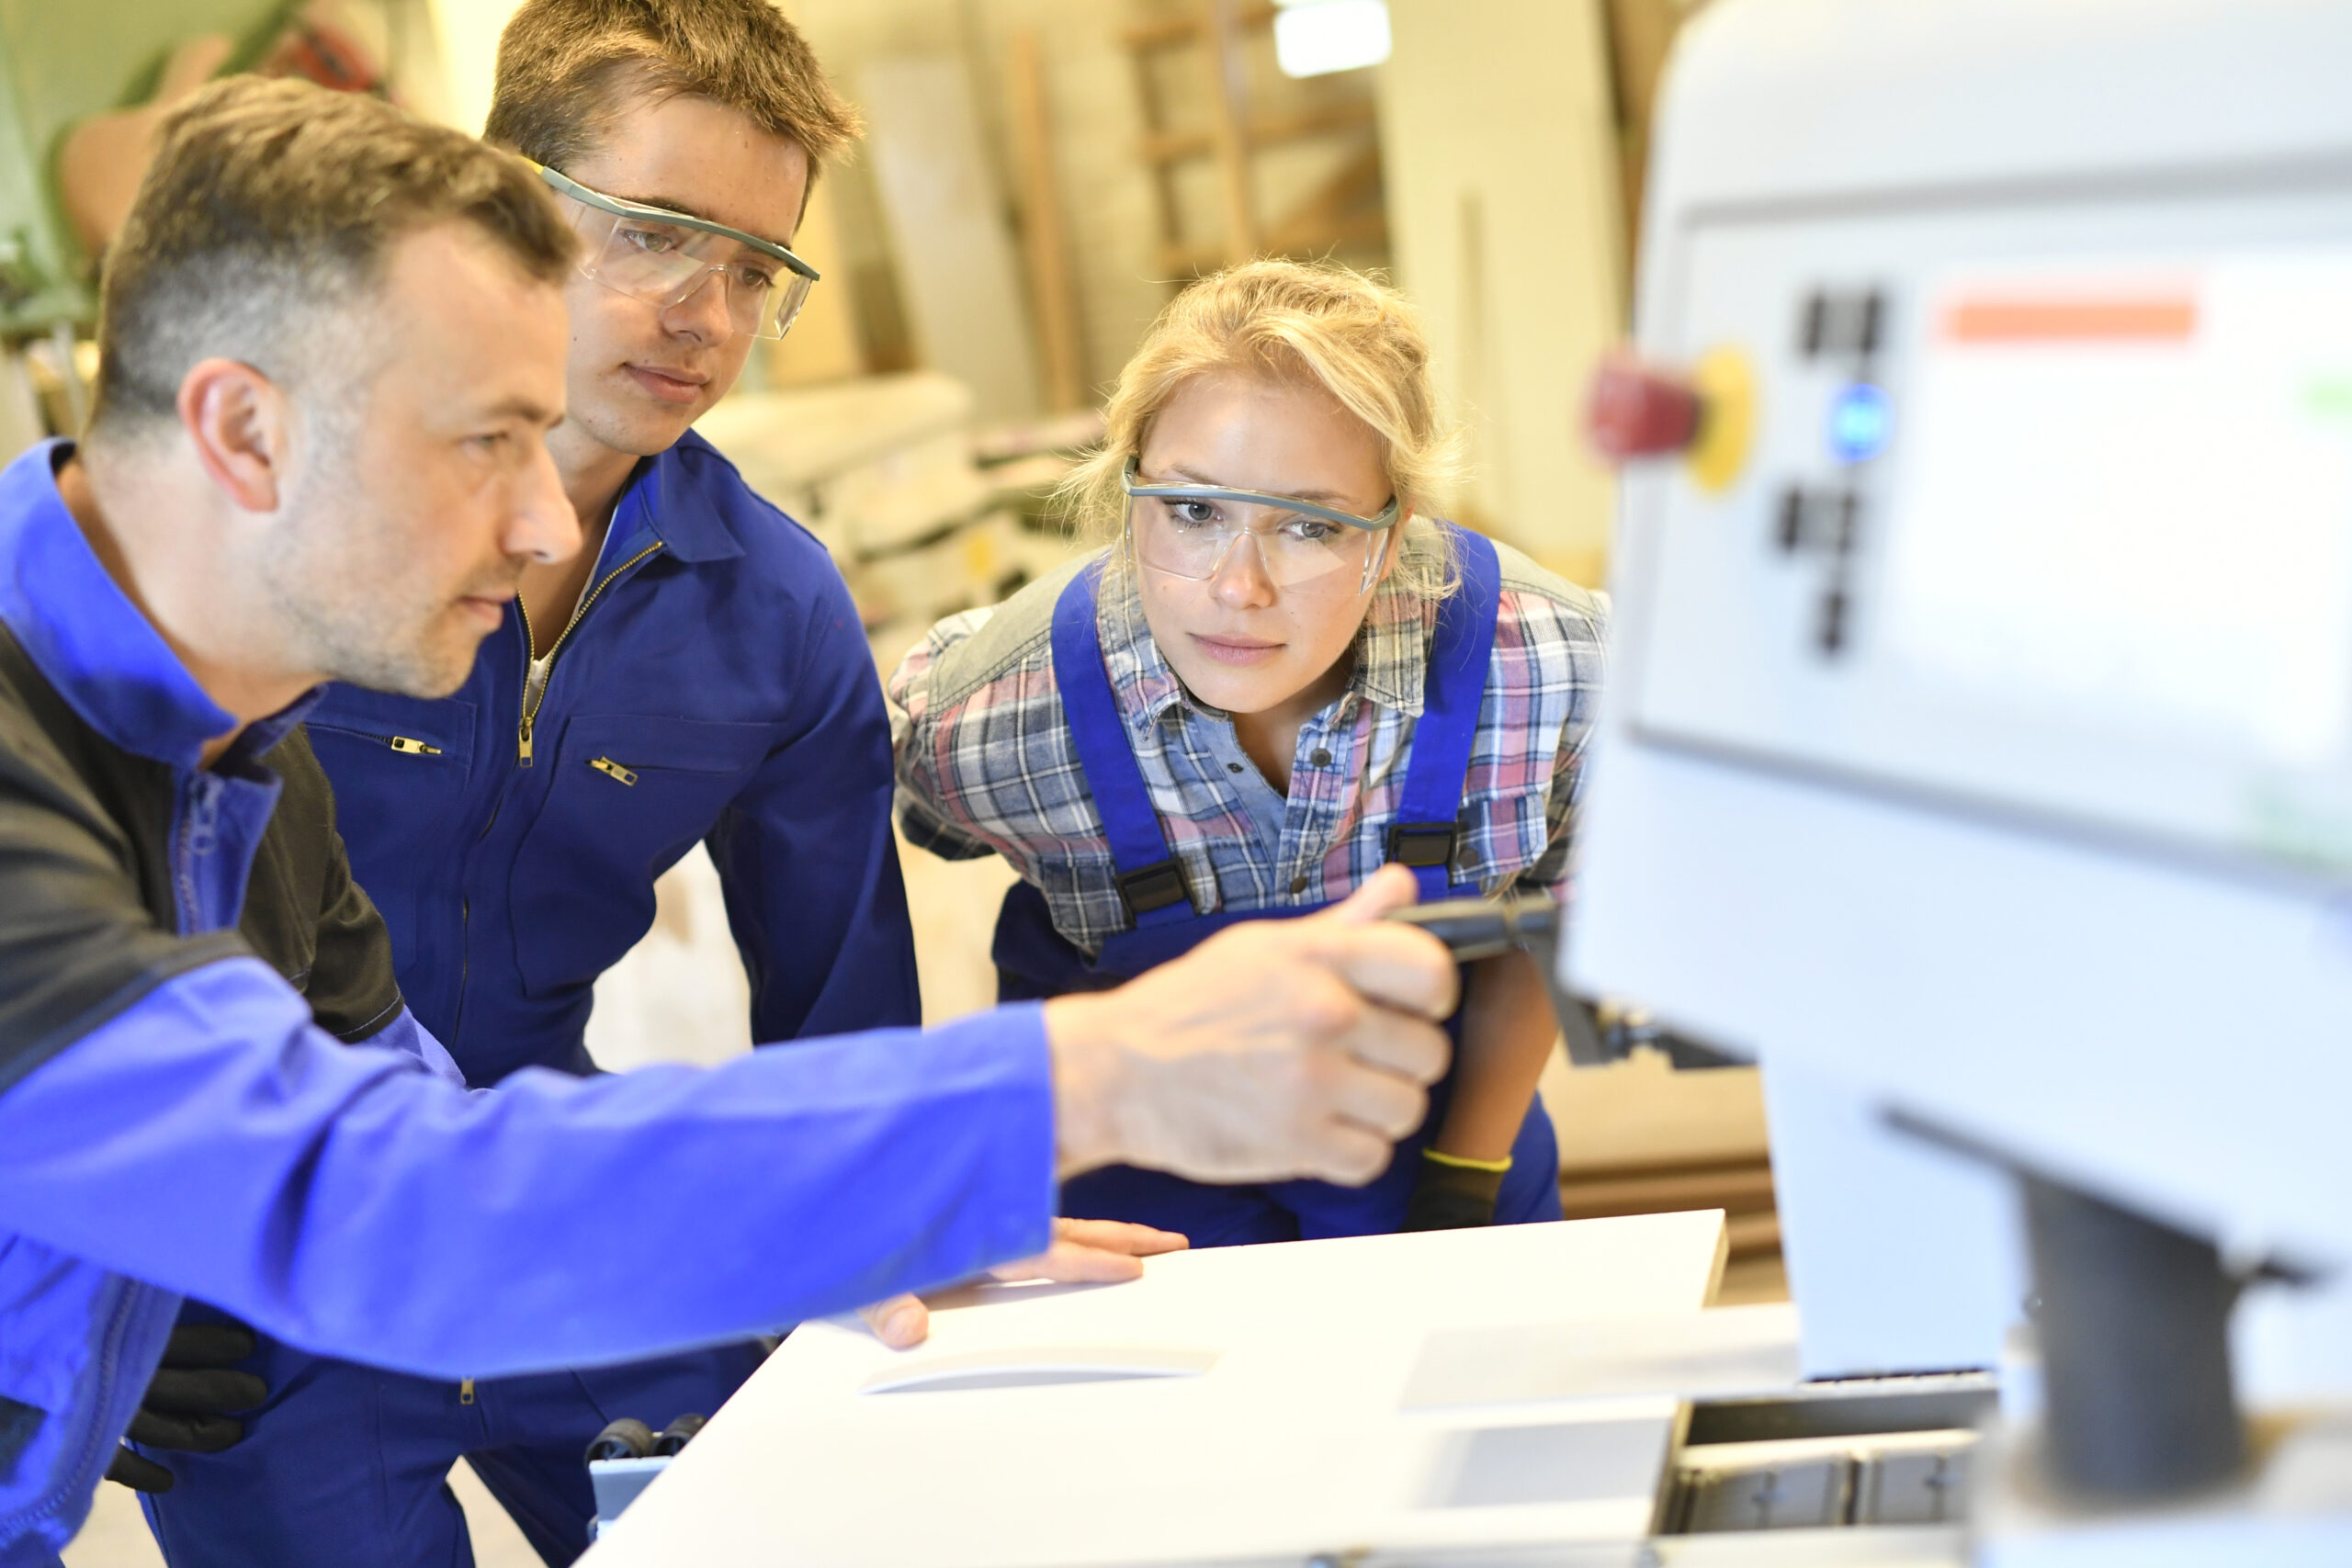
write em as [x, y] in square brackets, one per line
[1346, 210]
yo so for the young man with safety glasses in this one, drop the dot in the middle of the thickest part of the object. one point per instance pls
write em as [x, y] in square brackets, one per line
[696, 673]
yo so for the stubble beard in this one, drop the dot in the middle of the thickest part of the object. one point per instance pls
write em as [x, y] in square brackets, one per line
[362, 629]
[348, 587]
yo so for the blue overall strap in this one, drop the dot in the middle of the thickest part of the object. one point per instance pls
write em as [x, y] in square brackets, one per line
[1429, 816]
[1149, 879]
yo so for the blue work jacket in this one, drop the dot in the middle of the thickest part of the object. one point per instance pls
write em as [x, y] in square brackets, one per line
[715, 684]
[172, 1122]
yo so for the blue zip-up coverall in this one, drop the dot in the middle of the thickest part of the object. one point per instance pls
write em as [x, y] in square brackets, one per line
[718, 672]
[715, 684]
[173, 1123]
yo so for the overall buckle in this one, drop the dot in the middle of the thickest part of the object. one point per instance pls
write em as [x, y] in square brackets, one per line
[1154, 886]
[1419, 844]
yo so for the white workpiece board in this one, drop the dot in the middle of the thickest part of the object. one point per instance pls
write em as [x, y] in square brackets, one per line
[1294, 1440]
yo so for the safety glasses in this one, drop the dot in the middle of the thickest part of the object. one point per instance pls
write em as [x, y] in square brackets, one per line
[1189, 530]
[662, 258]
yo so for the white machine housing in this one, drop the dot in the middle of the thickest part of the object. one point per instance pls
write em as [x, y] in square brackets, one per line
[1984, 750]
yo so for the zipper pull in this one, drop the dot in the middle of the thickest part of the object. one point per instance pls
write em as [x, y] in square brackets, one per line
[465, 1391]
[204, 811]
[409, 747]
[525, 736]
[612, 770]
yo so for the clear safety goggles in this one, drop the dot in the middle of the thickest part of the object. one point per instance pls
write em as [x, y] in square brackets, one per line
[663, 257]
[1188, 531]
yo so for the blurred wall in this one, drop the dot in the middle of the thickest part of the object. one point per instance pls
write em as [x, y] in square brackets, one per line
[467, 32]
[1499, 133]
[1098, 126]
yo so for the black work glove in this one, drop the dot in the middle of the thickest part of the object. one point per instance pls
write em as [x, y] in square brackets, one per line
[187, 1402]
[1452, 1197]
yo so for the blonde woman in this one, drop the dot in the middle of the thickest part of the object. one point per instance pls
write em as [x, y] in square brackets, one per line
[1277, 673]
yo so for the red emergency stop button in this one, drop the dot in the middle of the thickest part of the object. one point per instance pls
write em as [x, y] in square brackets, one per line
[1708, 416]
[1640, 410]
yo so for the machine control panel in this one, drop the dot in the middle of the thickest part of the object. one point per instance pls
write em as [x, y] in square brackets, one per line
[2047, 510]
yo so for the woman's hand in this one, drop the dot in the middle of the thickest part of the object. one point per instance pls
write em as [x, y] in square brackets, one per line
[1084, 1252]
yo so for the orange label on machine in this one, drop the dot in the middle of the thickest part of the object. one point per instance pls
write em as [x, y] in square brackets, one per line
[2166, 319]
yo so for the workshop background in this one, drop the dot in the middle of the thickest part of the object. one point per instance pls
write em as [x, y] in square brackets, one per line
[1039, 176]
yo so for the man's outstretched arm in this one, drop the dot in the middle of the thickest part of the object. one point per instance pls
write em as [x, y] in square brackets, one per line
[208, 1138]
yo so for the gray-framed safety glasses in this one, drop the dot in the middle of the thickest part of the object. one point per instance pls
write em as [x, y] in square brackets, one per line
[662, 258]
[1188, 531]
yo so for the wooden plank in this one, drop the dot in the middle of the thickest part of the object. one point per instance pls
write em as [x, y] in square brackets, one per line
[1182, 261]
[1316, 238]
[1229, 110]
[1336, 214]
[1752, 1235]
[1641, 35]
[1356, 182]
[1177, 31]
[1150, 99]
[1734, 1190]
[1045, 245]
[1263, 130]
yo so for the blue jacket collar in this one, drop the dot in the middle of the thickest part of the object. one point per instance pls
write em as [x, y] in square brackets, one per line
[90, 642]
[690, 525]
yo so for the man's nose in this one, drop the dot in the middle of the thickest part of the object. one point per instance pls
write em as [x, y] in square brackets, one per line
[703, 314]
[543, 525]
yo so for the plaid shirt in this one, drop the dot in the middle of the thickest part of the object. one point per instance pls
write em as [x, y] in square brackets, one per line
[985, 760]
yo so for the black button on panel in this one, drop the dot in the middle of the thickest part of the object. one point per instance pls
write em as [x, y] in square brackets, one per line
[1232, 767]
[1830, 633]
[1817, 521]
[1849, 507]
[1319, 757]
[1850, 321]
[1791, 532]
[1813, 329]
[1297, 886]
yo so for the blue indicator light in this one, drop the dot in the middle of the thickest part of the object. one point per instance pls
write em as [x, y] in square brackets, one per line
[1860, 419]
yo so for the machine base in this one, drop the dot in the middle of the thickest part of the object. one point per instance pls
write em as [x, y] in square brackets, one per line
[2292, 1507]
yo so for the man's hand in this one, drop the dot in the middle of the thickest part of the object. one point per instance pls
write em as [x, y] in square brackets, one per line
[187, 1402]
[1276, 1049]
[1084, 1252]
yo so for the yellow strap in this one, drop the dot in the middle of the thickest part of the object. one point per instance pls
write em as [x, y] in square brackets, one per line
[1463, 1162]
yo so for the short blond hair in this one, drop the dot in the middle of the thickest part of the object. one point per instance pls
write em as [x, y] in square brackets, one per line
[567, 68]
[1318, 323]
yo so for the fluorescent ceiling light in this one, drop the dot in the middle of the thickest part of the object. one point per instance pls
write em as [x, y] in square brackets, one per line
[1314, 38]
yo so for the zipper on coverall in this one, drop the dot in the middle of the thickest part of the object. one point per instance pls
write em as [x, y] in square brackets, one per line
[536, 673]
[538, 670]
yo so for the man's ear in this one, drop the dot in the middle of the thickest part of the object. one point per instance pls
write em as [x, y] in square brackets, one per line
[241, 426]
